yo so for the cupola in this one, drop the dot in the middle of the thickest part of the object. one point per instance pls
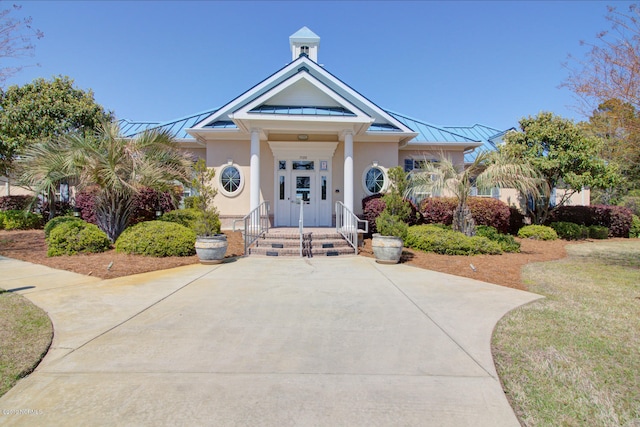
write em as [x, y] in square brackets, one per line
[304, 42]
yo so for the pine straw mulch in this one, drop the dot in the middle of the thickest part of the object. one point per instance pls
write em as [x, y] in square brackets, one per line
[502, 269]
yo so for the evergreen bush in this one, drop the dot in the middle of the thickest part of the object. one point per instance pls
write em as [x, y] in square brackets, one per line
[506, 242]
[570, 230]
[186, 217]
[434, 238]
[537, 232]
[598, 232]
[19, 220]
[57, 221]
[73, 237]
[157, 239]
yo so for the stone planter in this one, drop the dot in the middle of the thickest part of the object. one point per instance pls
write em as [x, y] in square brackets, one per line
[387, 249]
[211, 249]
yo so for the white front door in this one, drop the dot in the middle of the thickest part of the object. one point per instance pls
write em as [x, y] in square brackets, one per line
[303, 190]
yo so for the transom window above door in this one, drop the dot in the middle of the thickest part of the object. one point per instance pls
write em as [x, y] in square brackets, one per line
[303, 165]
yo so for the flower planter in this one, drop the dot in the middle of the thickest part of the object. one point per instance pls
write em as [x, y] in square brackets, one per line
[211, 249]
[387, 249]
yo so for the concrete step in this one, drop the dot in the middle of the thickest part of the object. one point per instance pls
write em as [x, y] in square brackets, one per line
[287, 243]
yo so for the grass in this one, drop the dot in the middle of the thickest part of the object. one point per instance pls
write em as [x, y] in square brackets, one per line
[25, 334]
[573, 358]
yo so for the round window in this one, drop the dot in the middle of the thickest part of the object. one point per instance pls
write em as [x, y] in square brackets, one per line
[231, 180]
[374, 180]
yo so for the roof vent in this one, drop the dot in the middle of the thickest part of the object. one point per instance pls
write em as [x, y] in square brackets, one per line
[303, 68]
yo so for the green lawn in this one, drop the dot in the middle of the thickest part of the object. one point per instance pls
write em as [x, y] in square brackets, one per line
[573, 358]
[25, 336]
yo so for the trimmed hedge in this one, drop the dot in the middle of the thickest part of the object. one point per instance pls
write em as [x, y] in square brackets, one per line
[616, 218]
[73, 237]
[570, 230]
[598, 232]
[537, 232]
[158, 239]
[506, 242]
[57, 221]
[485, 211]
[19, 220]
[433, 238]
[185, 217]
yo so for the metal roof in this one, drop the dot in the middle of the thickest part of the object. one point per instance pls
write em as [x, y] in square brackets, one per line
[428, 132]
[176, 127]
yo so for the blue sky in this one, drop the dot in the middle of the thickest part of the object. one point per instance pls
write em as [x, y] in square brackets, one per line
[447, 63]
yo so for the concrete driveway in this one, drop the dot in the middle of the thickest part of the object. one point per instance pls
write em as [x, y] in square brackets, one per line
[264, 342]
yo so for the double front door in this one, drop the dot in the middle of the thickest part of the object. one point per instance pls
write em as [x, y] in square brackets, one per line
[302, 183]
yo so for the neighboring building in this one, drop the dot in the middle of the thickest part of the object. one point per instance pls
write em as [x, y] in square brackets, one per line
[302, 132]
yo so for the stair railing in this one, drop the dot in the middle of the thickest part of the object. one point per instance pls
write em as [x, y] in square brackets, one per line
[348, 225]
[256, 223]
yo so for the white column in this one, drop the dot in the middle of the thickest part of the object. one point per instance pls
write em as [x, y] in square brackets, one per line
[348, 171]
[254, 200]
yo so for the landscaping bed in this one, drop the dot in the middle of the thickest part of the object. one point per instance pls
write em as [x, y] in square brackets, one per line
[29, 245]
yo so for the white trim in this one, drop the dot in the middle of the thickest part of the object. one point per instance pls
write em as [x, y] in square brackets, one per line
[385, 184]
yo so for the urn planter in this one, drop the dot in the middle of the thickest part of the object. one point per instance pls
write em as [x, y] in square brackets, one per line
[211, 249]
[387, 249]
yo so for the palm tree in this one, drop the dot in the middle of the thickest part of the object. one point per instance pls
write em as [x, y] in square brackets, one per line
[488, 170]
[117, 166]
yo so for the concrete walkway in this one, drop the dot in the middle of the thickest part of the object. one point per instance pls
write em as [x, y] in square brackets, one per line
[267, 342]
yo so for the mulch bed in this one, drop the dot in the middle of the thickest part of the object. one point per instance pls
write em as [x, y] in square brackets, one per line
[502, 269]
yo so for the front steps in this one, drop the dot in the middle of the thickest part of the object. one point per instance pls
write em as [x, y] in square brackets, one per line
[314, 243]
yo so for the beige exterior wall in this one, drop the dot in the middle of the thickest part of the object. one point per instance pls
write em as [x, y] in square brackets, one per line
[457, 157]
[7, 189]
[364, 156]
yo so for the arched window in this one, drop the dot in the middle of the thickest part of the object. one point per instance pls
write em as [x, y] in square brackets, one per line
[231, 180]
[374, 180]
[304, 50]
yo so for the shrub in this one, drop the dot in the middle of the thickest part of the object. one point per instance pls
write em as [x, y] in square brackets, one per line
[490, 212]
[372, 207]
[485, 211]
[57, 221]
[190, 202]
[391, 225]
[506, 242]
[635, 227]
[147, 201]
[438, 210]
[73, 237]
[19, 220]
[538, 232]
[570, 231]
[632, 202]
[616, 218]
[598, 232]
[15, 203]
[185, 217]
[158, 239]
[433, 238]
[86, 203]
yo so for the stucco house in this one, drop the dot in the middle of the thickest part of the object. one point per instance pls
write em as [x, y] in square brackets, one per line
[304, 133]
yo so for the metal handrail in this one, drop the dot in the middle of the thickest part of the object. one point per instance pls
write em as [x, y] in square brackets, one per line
[256, 223]
[348, 225]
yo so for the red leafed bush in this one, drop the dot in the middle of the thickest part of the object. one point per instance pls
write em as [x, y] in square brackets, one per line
[485, 211]
[145, 203]
[438, 210]
[616, 218]
[14, 203]
[516, 220]
[491, 212]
